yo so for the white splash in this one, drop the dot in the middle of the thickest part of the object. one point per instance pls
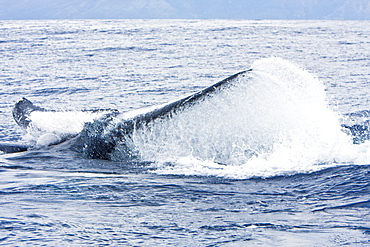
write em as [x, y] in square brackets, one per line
[49, 127]
[274, 121]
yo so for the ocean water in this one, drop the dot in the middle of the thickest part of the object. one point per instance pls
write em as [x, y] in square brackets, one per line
[264, 162]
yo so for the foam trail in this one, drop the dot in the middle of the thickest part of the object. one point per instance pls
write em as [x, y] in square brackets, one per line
[274, 121]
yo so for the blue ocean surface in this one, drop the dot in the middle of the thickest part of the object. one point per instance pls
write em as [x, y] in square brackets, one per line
[267, 161]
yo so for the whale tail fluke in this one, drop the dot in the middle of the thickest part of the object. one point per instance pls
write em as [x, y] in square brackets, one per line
[22, 110]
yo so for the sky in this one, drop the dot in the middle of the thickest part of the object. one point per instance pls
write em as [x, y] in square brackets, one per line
[185, 9]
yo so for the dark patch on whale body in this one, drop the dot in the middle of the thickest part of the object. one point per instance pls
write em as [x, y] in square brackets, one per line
[12, 148]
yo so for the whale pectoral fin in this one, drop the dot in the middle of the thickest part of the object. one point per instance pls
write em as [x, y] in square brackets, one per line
[176, 106]
[22, 110]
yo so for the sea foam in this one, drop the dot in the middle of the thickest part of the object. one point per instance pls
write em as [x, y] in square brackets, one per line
[275, 120]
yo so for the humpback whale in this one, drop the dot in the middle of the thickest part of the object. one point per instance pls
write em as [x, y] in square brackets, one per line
[92, 141]
[100, 133]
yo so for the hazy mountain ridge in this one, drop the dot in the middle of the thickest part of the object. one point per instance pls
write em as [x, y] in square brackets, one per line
[202, 9]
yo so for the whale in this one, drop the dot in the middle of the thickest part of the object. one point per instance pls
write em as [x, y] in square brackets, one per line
[93, 141]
